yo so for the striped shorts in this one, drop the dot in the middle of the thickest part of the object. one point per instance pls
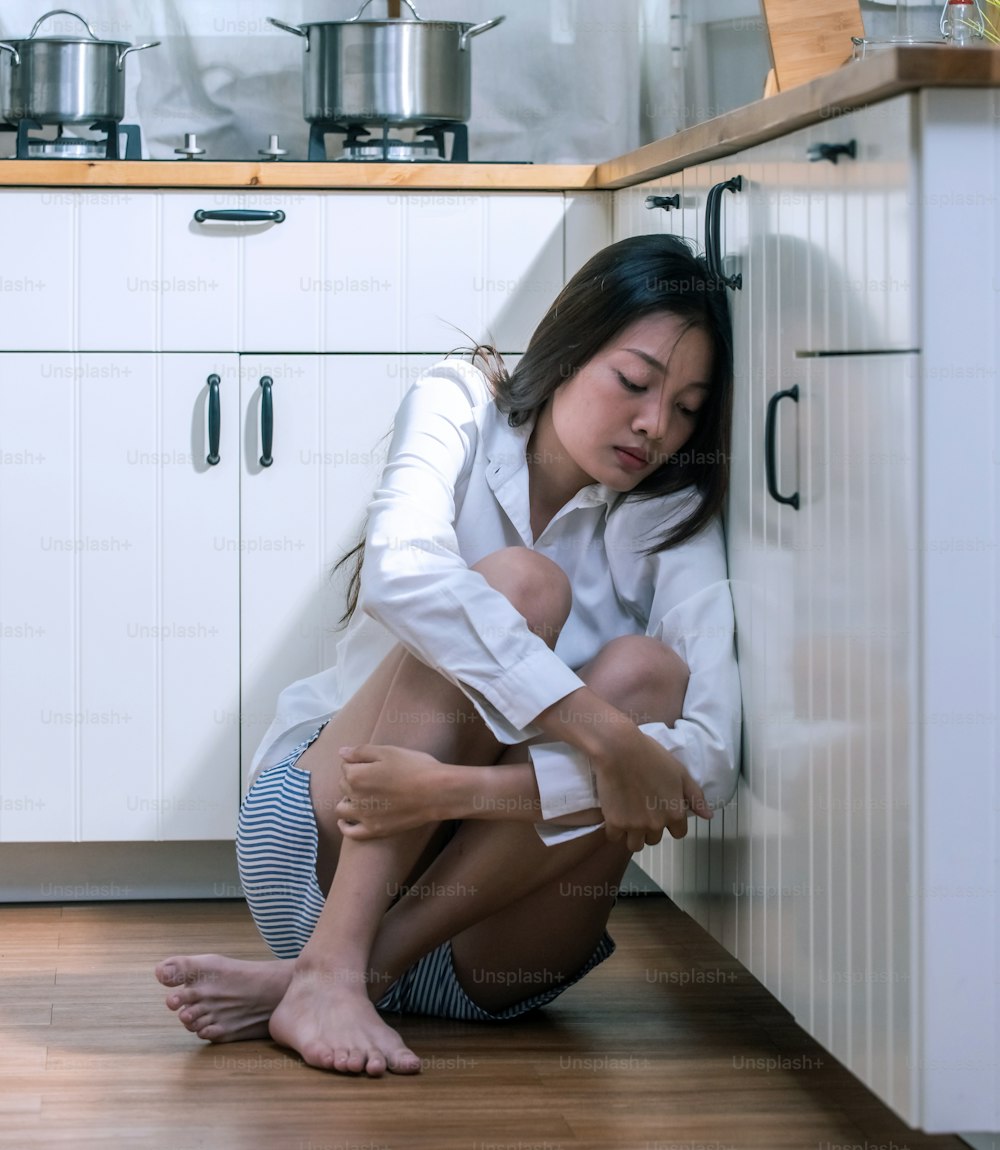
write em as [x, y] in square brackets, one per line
[276, 844]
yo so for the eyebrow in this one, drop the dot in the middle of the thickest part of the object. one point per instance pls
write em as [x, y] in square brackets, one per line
[660, 367]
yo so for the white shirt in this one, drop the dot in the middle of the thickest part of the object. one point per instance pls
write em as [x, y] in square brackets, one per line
[454, 489]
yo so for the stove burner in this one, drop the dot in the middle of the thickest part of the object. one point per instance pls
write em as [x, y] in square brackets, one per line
[78, 147]
[429, 143]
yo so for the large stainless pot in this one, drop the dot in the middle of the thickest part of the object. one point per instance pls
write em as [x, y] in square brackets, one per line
[64, 79]
[394, 71]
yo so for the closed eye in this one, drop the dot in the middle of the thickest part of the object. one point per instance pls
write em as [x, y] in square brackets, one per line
[629, 385]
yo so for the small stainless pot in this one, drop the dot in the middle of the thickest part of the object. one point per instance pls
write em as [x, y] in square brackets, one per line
[387, 71]
[64, 79]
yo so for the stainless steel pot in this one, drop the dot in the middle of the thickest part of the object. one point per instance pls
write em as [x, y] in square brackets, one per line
[393, 71]
[64, 79]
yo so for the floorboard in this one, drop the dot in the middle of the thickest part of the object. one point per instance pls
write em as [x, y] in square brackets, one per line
[670, 1045]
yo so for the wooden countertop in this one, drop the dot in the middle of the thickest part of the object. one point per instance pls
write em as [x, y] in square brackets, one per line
[880, 76]
[877, 77]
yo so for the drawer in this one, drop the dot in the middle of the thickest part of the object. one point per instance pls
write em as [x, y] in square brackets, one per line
[354, 272]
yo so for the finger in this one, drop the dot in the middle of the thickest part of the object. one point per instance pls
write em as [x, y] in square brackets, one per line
[363, 753]
[614, 833]
[678, 828]
[635, 840]
[653, 837]
[696, 800]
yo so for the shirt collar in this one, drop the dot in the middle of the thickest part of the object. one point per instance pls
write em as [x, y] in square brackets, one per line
[506, 449]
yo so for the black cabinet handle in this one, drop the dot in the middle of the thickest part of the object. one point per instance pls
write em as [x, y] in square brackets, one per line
[665, 202]
[240, 216]
[214, 419]
[266, 421]
[833, 152]
[770, 425]
[713, 219]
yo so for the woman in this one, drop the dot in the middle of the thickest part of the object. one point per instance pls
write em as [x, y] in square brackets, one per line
[544, 649]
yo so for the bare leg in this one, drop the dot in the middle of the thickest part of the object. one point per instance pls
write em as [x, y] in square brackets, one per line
[521, 914]
[332, 985]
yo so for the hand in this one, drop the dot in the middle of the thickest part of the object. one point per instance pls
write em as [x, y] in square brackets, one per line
[387, 790]
[644, 789]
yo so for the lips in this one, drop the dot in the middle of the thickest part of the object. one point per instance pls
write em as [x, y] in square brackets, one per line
[632, 458]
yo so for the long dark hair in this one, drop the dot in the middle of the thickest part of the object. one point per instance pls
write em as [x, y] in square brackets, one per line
[622, 283]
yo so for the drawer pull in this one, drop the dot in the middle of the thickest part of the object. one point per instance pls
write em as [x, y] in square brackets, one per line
[833, 152]
[713, 244]
[266, 421]
[214, 420]
[240, 216]
[665, 202]
[769, 437]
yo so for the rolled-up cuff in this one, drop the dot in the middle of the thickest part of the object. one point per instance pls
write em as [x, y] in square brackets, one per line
[565, 780]
[551, 833]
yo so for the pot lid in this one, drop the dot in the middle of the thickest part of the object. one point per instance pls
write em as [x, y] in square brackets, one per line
[90, 38]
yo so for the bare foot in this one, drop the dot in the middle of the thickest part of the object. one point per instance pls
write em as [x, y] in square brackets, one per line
[224, 999]
[331, 1022]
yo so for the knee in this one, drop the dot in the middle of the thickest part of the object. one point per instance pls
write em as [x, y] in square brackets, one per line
[537, 588]
[640, 676]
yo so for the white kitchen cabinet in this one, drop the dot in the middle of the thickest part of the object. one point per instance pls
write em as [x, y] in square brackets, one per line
[346, 272]
[153, 605]
[855, 872]
[179, 597]
[120, 643]
[331, 420]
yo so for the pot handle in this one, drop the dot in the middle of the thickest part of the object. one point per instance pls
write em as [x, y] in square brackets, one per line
[289, 28]
[357, 15]
[62, 12]
[12, 50]
[136, 48]
[464, 39]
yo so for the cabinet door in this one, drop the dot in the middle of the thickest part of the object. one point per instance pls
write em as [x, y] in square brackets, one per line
[117, 600]
[300, 514]
[841, 233]
[848, 799]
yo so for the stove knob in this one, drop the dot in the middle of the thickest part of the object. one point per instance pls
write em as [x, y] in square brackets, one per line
[190, 149]
[272, 151]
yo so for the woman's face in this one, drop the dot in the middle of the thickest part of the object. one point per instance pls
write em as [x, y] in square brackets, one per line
[635, 403]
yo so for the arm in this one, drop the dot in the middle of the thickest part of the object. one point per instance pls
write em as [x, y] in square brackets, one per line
[393, 789]
[684, 596]
[416, 580]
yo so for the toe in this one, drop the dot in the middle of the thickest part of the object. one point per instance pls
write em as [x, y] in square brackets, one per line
[195, 1021]
[181, 998]
[169, 973]
[375, 1066]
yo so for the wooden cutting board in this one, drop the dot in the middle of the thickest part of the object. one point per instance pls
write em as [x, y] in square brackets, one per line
[810, 40]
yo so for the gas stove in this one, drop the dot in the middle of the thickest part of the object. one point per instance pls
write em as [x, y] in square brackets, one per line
[30, 145]
[435, 142]
[367, 143]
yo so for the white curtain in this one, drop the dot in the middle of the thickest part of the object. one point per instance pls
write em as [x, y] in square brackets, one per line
[558, 81]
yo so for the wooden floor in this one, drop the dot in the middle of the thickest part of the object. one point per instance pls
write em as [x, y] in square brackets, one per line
[670, 1045]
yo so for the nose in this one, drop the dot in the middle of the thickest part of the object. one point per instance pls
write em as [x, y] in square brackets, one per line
[651, 419]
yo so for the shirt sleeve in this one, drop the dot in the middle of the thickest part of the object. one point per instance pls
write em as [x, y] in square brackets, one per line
[691, 610]
[415, 580]
[682, 597]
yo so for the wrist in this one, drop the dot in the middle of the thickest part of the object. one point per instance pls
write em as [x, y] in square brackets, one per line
[453, 789]
[585, 721]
